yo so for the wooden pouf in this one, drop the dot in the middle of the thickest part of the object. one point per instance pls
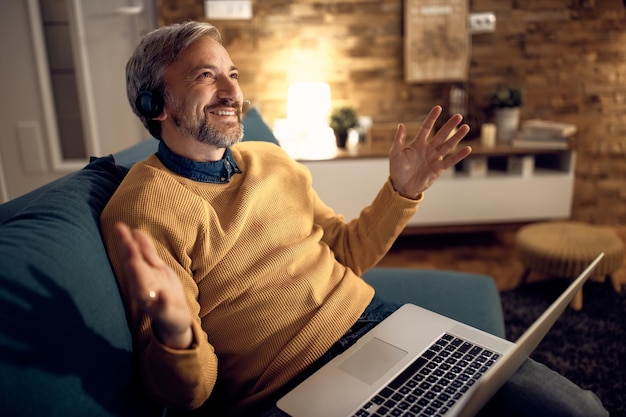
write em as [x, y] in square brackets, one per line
[565, 249]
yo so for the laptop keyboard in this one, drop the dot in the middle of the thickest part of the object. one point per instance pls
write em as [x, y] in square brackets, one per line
[434, 382]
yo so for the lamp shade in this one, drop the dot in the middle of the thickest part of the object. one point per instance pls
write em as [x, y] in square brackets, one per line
[308, 102]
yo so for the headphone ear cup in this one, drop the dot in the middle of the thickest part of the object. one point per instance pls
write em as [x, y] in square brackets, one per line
[149, 104]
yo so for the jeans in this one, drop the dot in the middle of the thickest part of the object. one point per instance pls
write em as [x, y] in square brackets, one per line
[534, 390]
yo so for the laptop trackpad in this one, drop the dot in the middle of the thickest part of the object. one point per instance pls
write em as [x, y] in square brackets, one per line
[372, 360]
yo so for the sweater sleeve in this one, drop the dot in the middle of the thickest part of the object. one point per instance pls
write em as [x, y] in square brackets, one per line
[361, 243]
[177, 379]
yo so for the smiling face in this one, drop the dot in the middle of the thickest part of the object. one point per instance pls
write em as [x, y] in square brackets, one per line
[203, 99]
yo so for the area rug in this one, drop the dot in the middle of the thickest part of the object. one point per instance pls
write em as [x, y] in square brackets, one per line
[587, 346]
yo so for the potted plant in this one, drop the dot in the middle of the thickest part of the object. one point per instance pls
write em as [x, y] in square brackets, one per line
[506, 96]
[342, 119]
[506, 101]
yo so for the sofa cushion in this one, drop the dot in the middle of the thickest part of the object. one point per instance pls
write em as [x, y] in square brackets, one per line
[472, 299]
[63, 331]
[255, 128]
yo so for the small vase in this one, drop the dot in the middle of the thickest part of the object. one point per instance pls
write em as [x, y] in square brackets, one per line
[507, 123]
[342, 138]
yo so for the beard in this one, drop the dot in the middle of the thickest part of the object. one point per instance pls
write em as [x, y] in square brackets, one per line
[197, 126]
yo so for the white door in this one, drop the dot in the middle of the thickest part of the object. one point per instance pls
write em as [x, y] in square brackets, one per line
[64, 55]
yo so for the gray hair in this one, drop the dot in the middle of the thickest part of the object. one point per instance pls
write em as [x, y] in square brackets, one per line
[155, 52]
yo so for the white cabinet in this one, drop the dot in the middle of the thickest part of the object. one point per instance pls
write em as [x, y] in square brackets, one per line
[494, 185]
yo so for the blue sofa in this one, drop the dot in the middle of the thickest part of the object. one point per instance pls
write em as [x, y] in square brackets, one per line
[65, 348]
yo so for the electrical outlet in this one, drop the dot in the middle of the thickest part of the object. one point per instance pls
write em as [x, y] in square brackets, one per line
[482, 22]
[228, 9]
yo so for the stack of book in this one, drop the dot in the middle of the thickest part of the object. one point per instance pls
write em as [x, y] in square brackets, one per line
[538, 133]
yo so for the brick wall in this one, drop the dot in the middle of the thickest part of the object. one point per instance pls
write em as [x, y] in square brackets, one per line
[569, 57]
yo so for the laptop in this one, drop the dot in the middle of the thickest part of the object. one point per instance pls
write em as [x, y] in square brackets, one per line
[416, 362]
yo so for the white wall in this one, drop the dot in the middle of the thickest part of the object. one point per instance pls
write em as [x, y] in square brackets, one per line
[21, 149]
[102, 39]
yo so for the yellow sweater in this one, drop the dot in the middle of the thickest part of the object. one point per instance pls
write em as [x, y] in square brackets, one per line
[272, 275]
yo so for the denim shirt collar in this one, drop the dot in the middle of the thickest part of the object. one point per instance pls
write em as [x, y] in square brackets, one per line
[217, 172]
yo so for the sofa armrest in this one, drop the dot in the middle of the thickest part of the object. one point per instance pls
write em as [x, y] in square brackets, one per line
[65, 345]
[469, 298]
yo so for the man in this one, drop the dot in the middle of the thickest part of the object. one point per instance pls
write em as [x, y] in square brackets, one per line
[238, 279]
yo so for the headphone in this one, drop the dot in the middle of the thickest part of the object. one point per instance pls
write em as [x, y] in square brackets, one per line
[149, 104]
